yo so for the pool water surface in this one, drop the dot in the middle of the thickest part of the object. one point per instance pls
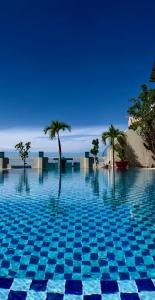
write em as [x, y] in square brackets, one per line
[82, 226]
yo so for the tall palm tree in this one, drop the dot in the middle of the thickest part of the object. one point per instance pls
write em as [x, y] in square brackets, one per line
[112, 135]
[53, 129]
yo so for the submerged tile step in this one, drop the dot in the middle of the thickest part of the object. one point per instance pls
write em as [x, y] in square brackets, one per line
[27, 289]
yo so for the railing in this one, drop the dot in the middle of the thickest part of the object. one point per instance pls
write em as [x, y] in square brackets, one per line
[17, 161]
[50, 161]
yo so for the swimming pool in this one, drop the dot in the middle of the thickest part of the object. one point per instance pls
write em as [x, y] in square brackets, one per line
[86, 226]
[92, 228]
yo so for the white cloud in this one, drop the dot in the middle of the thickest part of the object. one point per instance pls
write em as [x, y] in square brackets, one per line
[78, 140]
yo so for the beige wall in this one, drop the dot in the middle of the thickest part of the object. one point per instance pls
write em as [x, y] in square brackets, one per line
[137, 154]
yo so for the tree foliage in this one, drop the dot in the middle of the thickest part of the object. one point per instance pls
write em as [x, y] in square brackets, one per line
[120, 147]
[53, 129]
[95, 149]
[143, 113]
[112, 135]
[23, 150]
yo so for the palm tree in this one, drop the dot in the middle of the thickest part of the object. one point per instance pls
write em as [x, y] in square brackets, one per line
[112, 135]
[54, 129]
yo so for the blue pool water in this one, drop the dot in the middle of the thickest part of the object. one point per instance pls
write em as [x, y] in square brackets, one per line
[88, 226]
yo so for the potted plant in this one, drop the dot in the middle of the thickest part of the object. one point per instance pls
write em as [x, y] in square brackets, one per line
[120, 148]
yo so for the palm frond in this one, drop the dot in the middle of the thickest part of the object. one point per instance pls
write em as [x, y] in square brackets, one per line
[105, 136]
[46, 129]
[63, 126]
[55, 127]
[112, 134]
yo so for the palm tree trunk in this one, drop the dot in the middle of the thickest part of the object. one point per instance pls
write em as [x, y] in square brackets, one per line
[59, 145]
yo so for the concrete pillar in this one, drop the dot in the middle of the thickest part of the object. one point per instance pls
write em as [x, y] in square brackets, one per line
[1, 163]
[86, 163]
[40, 162]
[4, 161]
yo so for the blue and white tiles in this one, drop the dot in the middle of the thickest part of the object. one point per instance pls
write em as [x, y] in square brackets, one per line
[93, 242]
[18, 289]
[89, 233]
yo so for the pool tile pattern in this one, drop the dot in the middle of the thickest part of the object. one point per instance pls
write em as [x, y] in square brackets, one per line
[91, 243]
[18, 289]
[80, 236]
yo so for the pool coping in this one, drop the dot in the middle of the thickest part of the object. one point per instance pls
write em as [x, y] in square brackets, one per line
[29, 289]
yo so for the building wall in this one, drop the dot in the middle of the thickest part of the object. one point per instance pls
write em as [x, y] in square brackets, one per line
[137, 154]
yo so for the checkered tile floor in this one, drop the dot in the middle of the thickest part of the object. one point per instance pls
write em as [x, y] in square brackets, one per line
[27, 289]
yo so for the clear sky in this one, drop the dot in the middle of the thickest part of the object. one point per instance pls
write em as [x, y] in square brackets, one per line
[79, 61]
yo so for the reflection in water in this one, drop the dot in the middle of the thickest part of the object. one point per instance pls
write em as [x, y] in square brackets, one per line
[54, 200]
[95, 182]
[111, 182]
[3, 176]
[87, 174]
[23, 184]
[43, 174]
[114, 189]
[60, 180]
[120, 185]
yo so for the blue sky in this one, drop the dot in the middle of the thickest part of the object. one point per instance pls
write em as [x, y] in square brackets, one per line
[76, 61]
